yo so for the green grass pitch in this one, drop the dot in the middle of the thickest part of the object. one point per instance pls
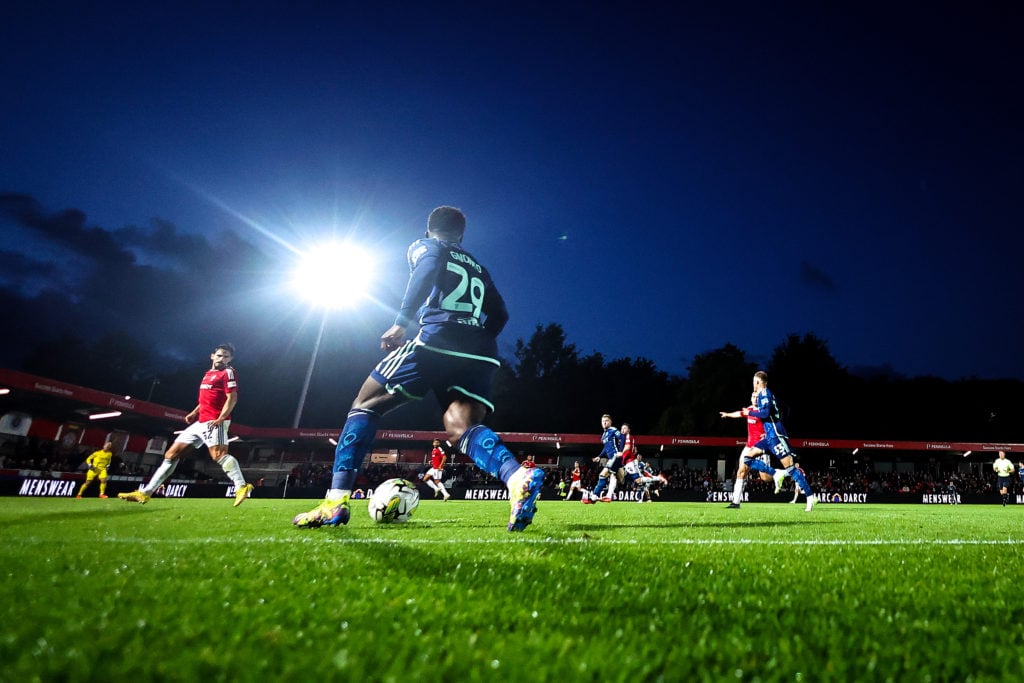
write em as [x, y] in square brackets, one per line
[196, 590]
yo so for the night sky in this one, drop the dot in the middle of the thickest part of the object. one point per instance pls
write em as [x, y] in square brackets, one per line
[658, 179]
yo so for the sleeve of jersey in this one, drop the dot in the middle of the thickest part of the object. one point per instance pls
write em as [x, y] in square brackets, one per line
[496, 312]
[424, 263]
[763, 409]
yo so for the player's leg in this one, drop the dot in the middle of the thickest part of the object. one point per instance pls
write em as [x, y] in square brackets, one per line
[88, 480]
[759, 465]
[441, 488]
[462, 421]
[354, 442]
[103, 483]
[602, 483]
[464, 384]
[613, 483]
[216, 439]
[741, 477]
[191, 437]
[797, 475]
[429, 481]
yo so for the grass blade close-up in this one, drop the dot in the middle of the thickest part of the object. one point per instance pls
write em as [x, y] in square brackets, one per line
[184, 590]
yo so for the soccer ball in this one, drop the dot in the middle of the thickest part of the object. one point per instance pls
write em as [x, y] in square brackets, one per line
[393, 501]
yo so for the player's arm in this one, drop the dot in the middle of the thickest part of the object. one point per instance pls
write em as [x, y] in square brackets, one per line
[191, 416]
[229, 405]
[495, 311]
[424, 264]
[762, 408]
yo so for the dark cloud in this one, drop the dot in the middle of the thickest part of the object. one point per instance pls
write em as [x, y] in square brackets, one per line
[65, 229]
[817, 279]
[166, 288]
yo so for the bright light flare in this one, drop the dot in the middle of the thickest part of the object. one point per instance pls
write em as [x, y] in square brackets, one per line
[103, 416]
[335, 275]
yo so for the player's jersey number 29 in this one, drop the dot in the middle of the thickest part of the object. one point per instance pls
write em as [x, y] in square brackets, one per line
[468, 294]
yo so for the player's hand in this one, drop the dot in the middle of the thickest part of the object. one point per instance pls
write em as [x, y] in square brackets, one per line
[390, 340]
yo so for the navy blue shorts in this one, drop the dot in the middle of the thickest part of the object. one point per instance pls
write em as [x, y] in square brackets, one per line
[413, 370]
[777, 446]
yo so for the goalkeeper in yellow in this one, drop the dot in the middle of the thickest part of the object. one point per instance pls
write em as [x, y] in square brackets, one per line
[98, 463]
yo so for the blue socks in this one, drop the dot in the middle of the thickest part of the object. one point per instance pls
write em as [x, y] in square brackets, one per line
[758, 464]
[354, 443]
[602, 484]
[488, 452]
[800, 479]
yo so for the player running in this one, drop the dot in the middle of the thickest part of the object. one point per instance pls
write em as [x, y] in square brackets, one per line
[1004, 469]
[611, 451]
[776, 440]
[761, 463]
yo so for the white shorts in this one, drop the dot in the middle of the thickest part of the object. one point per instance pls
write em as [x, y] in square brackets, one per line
[199, 433]
[435, 474]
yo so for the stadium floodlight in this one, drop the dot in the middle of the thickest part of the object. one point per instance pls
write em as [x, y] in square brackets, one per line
[101, 416]
[333, 275]
[5, 390]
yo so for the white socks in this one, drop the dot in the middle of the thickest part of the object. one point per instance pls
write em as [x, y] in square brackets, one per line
[231, 468]
[737, 490]
[161, 475]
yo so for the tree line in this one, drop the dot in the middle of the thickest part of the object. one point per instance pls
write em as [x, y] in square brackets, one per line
[549, 386]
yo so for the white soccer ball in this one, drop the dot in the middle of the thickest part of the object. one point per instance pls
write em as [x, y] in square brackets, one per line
[393, 501]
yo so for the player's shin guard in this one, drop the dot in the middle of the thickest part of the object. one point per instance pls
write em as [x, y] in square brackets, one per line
[799, 478]
[488, 452]
[354, 443]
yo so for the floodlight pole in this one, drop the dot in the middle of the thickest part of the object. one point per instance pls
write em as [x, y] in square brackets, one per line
[309, 372]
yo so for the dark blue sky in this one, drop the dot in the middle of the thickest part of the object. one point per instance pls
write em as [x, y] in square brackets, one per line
[659, 179]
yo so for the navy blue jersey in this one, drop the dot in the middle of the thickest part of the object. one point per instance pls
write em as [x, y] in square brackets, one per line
[767, 410]
[612, 440]
[453, 298]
